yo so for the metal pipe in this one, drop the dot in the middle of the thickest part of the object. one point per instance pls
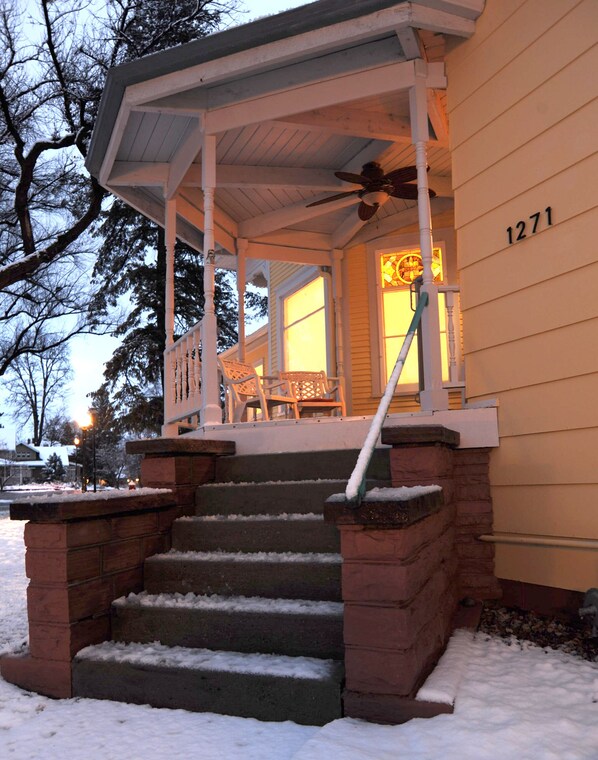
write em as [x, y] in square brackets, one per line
[519, 538]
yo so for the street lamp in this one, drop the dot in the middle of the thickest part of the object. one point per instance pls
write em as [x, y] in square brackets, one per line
[86, 423]
[77, 442]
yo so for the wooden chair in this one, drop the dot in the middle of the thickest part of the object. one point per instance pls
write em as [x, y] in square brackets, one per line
[245, 389]
[316, 392]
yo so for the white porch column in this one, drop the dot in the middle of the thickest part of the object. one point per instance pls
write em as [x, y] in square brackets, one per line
[211, 413]
[337, 296]
[169, 371]
[170, 240]
[433, 396]
[241, 266]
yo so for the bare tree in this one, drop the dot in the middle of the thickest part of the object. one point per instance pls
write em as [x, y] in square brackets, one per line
[54, 55]
[36, 382]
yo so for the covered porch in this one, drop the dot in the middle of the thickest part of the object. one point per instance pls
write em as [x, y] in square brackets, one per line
[235, 144]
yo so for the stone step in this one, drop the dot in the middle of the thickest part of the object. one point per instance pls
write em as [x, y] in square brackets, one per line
[301, 465]
[267, 687]
[254, 533]
[265, 498]
[242, 624]
[285, 575]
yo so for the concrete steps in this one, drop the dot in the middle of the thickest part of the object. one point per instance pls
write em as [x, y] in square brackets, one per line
[240, 624]
[243, 616]
[255, 533]
[267, 687]
[271, 574]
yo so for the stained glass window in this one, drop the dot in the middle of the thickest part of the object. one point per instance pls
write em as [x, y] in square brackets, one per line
[403, 267]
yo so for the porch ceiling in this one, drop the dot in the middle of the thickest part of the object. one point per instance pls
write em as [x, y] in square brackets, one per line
[286, 118]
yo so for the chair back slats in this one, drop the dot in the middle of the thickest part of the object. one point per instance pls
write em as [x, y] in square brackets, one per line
[235, 370]
[307, 386]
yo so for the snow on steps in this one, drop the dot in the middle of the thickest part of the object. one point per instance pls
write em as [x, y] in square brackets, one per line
[242, 624]
[289, 575]
[273, 497]
[267, 687]
[303, 532]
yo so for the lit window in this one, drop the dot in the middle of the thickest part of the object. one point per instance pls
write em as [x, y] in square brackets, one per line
[304, 330]
[398, 269]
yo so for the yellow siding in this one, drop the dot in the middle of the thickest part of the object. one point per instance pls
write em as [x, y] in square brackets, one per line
[523, 108]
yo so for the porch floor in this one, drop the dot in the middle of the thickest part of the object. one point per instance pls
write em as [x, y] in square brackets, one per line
[478, 427]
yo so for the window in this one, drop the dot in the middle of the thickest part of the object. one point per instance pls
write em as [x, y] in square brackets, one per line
[304, 330]
[397, 270]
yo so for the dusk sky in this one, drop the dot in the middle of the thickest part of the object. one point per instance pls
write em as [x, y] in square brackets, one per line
[88, 353]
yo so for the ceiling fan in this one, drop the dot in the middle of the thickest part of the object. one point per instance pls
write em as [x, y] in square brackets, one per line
[377, 187]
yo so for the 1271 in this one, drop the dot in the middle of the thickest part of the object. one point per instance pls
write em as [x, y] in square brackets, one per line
[521, 229]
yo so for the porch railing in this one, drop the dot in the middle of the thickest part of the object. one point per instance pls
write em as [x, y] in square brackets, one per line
[454, 349]
[182, 376]
[355, 490]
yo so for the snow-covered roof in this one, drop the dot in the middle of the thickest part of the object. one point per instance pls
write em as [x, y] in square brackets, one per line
[45, 452]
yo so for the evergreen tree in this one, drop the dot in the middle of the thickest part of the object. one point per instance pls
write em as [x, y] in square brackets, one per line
[131, 265]
[54, 470]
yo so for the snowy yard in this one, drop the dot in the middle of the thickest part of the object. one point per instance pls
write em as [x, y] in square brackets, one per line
[514, 702]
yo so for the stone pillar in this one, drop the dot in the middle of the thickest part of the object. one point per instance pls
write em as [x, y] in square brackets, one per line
[81, 555]
[399, 591]
[429, 454]
[180, 464]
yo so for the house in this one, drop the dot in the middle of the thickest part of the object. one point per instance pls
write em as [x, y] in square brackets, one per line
[30, 461]
[234, 144]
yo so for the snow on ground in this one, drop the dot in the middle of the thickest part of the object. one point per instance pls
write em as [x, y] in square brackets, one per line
[514, 702]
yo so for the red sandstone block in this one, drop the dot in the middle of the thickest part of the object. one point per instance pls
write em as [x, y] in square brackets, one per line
[465, 457]
[62, 642]
[477, 566]
[182, 470]
[368, 581]
[475, 550]
[474, 507]
[425, 463]
[127, 582]
[63, 536]
[51, 566]
[168, 516]
[49, 677]
[121, 555]
[472, 492]
[376, 544]
[482, 521]
[154, 545]
[394, 626]
[387, 671]
[68, 603]
[135, 525]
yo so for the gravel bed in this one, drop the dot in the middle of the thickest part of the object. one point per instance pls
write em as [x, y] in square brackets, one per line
[572, 636]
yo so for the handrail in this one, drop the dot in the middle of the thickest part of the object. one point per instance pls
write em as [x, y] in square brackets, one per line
[355, 490]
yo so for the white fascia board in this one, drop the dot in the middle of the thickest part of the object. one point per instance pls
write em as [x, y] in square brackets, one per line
[273, 55]
[289, 254]
[115, 139]
[299, 48]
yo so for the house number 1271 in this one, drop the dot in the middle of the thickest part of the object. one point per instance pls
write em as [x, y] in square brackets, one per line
[518, 232]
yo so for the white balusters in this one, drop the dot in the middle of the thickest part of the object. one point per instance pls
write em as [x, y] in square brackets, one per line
[182, 362]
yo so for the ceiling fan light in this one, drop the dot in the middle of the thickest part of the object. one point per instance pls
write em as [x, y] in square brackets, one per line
[375, 198]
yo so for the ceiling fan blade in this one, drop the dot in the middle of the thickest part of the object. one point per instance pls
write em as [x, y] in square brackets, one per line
[365, 212]
[332, 198]
[356, 179]
[406, 174]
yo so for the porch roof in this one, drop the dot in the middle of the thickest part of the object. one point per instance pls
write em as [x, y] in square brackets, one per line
[292, 98]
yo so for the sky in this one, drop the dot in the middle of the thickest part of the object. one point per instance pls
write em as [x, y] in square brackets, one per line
[513, 701]
[89, 353]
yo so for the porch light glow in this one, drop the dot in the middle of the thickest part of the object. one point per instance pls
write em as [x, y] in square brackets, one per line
[375, 198]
